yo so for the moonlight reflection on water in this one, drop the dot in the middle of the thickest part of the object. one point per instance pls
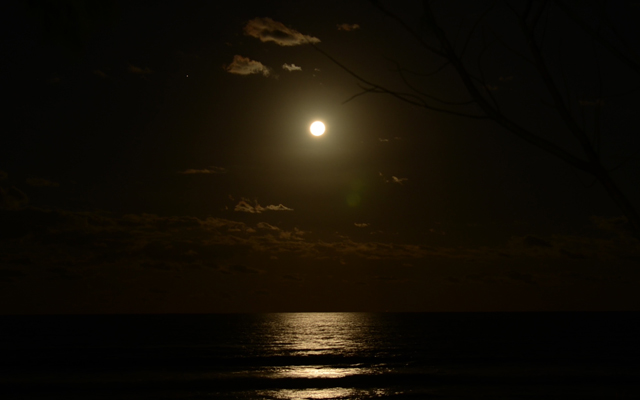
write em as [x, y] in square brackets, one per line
[331, 393]
[320, 334]
[335, 334]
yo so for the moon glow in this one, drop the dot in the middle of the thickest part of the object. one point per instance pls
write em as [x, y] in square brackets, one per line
[317, 128]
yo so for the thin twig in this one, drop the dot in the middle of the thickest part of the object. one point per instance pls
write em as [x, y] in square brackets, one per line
[410, 30]
[625, 161]
[625, 59]
[394, 93]
[399, 70]
[474, 27]
[425, 74]
[490, 111]
[563, 111]
[514, 51]
[485, 47]
[597, 132]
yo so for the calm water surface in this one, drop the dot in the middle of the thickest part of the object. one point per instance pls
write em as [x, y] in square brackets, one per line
[321, 356]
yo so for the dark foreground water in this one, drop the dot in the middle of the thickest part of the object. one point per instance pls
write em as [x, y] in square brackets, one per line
[321, 356]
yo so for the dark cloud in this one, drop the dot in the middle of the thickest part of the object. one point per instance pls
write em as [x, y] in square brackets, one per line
[295, 234]
[391, 279]
[592, 103]
[69, 245]
[209, 170]
[63, 273]
[289, 277]
[245, 66]
[243, 269]
[533, 241]
[374, 250]
[9, 273]
[139, 71]
[12, 198]
[617, 226]
[40, 182]
[348, 27]
[618, 248]
[575, 256]
[15, 260]
[99, 73]
[522, 277]
[503, 277]
[163, 266]
[268, 30]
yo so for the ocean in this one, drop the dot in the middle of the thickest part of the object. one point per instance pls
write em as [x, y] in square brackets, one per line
[321, 356]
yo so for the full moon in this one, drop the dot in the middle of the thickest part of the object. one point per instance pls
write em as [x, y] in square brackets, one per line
[317, 128]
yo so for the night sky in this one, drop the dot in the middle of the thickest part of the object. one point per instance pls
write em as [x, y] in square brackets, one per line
[155, 157]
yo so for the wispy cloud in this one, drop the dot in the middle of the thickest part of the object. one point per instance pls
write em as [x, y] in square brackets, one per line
[137, 70]
[291, 67]
[12, 198]
[393, 179]
[362, 225]
[264, 225]
[289, 277]
[246, 66]
[209, 170]
[182, 243]
[243, 269]
[40, 182]
[268, 30]
[100, 74]
[245, 206]
[279, 207]
[348, 27]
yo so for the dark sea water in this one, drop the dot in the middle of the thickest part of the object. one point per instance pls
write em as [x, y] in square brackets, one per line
[321, 356]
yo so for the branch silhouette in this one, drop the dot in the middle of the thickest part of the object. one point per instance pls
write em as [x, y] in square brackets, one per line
[532, 19]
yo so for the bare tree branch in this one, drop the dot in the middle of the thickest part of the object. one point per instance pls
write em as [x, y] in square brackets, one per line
[491, 111]
[626, 160]
[559, 103]
[511, 49]
[475, 26]
[537, 14]
[566, 107]
[399, 70]
[485, 47]
[428, 74]
[625, 59]
[410, 30]
[395, 94]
